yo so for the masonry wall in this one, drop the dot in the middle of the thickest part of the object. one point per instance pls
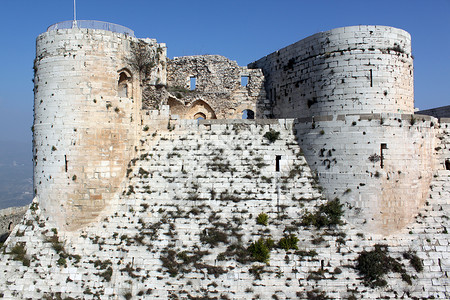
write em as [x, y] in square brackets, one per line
[10, 217]
[358, 69]
[187, 213]
[217, 87]
[84, 133]
[383, 188]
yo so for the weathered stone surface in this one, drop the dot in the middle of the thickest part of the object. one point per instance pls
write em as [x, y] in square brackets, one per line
[136, 199]
[218, 89]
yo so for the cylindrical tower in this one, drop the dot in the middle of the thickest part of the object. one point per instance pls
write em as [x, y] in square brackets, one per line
[357, 69]
[351, 90]
[86, 112]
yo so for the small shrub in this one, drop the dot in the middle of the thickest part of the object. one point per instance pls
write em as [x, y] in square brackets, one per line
[262, 219]
[416, 262]
[19, 253]
[213, 237]
[373, 265]
[256, 271]
[328, 214]
[146, 128]
[62, 261]
[272, 135]
[288, 242]
[260, 250]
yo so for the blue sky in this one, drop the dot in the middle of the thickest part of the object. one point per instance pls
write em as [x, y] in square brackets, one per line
[240, 30]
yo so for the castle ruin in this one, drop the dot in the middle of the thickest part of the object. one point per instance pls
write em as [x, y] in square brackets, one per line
[148, 182]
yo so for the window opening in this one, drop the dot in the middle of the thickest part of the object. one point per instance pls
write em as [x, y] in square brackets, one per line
[248, 114]
[277, 163]
[244, 80]
[199, 116]
[371, 78]
[65, 162]
[447, 164]
[193, 83]
[123, 85]
[382, 147]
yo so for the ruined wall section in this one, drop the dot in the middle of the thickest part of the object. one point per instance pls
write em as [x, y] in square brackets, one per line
[381, 165]
[10, 217]
[443, 147]
[358, 69]
[85, 126]
[217, 84]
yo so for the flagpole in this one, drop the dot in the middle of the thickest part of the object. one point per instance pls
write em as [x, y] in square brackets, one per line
[74, 14]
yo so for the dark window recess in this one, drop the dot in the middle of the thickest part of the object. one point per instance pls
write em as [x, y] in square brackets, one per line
[382, 147]
[447, 164]
[65, 162]
[248, 114]
[371, 78]
[277, 163]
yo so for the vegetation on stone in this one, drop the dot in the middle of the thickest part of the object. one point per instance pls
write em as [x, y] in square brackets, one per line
[328, 214]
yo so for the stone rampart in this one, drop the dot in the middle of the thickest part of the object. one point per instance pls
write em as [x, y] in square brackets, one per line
[187, 215]
[358, 69]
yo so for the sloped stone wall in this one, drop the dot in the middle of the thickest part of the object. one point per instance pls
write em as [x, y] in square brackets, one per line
[187, 213]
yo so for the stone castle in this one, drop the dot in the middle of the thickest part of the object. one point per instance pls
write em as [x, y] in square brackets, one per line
[149, 184]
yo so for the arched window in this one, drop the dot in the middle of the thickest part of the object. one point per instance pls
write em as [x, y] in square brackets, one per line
[248, 114]
[124, 84]
[199, 116]
[200, 109]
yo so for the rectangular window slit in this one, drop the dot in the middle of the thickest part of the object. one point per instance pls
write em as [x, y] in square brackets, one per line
[277, 163]
[383, 147]
[371, 78]
[65, 162]
[193, 83]
[244, 80]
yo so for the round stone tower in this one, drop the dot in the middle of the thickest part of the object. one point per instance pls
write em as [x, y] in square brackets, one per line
[86, 115]
[357, 69]
[351, 90]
